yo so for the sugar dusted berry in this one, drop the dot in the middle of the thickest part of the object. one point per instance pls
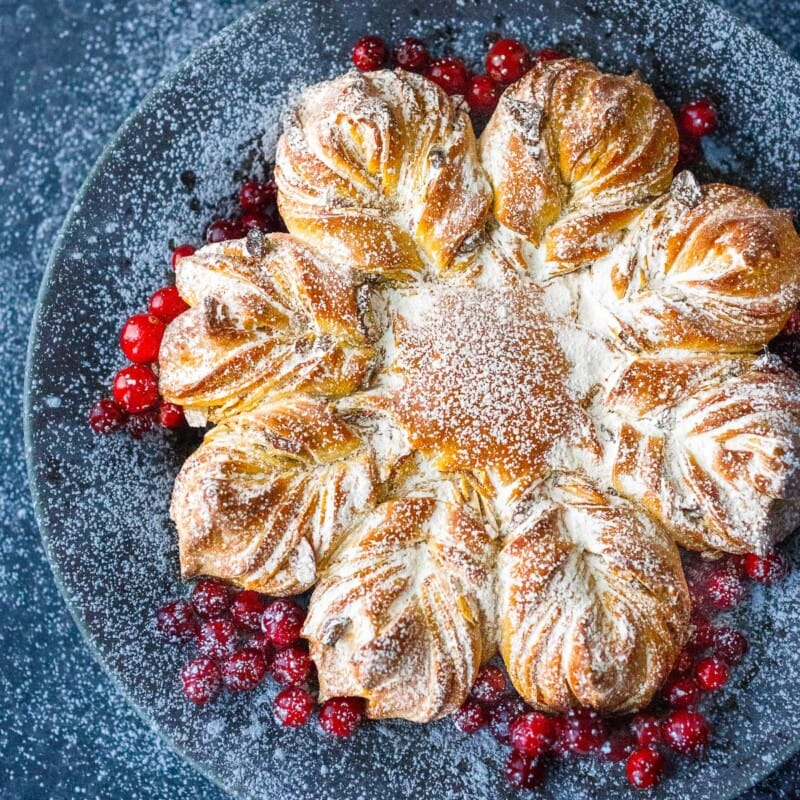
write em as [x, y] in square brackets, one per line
[211, 598]
[369, 53]
[507, 61]
[451, 74]
[686, 732]
[182, 251]
[217, 639]
[645, 768]
[647, 728]
[255, 195]
[712, 673]
[766, 569]
[585, 731]
[136, 388]
[523, 772]
[730, 645]
[681, 691]
[201, 680]
[532, 734]
[105, 416]
[502, 715]
[247, 609]
[482, 95]
[223, 230]
[243, 670]
[490, 685]
[698, 118]
[471, 717]
[290, 666]
[282, 621]
[341, 716]
[549, 54]
[411, 54]
[166, 304]
[724, 590]
[171, 416]
[140, 338]
[293, 707]
[619, 745]
[176, 621]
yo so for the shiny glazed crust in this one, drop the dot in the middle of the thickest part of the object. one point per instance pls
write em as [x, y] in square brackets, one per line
[480, 392]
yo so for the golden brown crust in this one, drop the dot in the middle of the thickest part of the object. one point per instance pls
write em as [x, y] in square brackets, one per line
[572, 154]
[722, 274]
[380, 169]
[593, 603]
[258, 325]
[405, 614]
[721, 469]
[269, 495]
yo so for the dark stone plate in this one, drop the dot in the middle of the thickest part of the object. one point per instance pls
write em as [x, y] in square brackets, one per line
[102, 501]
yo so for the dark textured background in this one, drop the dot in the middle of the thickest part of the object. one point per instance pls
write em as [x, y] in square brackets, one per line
[70, 72]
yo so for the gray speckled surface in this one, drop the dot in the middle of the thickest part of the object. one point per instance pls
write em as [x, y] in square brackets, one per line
[73, 70]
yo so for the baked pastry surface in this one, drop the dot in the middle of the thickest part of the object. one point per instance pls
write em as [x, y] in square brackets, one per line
[482, 390]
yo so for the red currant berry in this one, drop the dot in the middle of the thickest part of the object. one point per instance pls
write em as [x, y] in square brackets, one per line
[684, 661]
[698, 118]
[482, 95]
[686, 732]
[730, 645]
[136, 389]
[140, 338]
[181, 251]
[223, 230]
[766, 569]
[490, 685]
[502, 715]
[792, 326]
[618, 746]
[293, 706]
[507, 61]
[341, 716]
[523, 772]
[450, 74]
[244, 670]
[645, 768]
[369, 53]
[247, 609]
[216, 639]
[703, 634]
[585, 731]
[201, 680]
[167, 304]
[549, 54]
[171, 416]
[532, 734]
[471, 717]
[283, 621]
[105, 416]
[291, 666]
[140, 424]
[712, 673]
[257, 220]
[681, 691]
[724, 590]
[255, 195]
[411, 54]
[647, 729]
[176, 621]
[210, 598]
[260, 641]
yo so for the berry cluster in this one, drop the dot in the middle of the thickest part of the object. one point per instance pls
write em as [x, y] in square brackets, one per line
[672, 724]
[240, 638]
[136, 403]
[507, 61]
